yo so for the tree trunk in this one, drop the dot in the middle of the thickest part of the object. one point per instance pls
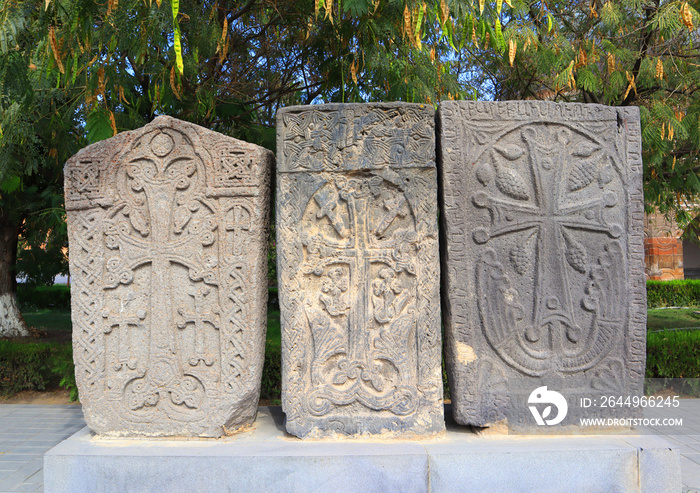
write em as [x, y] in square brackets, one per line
[12, 323]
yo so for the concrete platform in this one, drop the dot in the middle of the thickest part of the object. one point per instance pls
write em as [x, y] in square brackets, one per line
[267, 459]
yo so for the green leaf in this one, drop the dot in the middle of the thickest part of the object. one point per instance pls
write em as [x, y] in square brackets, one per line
[500, 40]
[10, 183]
[177, 37]
[587, 80]
[450, 34]
[466, 31]
[550, 22]
[419, 22]
[98, 126]
[178, 48]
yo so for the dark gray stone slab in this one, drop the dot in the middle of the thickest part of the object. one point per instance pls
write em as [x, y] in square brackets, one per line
[543, 258]
[168, 257]
[358, 269]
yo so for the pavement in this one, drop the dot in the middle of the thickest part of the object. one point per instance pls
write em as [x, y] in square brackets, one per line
[29, 431]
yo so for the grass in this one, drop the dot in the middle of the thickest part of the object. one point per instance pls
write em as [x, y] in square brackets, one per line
[49, 320]
[274, 330]
[670, 354]
[672, 319]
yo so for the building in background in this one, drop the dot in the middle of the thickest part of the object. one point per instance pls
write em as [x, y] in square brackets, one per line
[668, 253]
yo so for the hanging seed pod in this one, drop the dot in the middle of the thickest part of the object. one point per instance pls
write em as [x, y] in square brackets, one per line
[512, 47]
[444, 10]
[407, 20]
[659, 69]
[353, 71]
[686, 16]
[611, 63]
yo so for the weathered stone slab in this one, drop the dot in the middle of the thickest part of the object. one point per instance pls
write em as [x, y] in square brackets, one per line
[543, 256]
[167, 228]
[358, 273]
[265, 459]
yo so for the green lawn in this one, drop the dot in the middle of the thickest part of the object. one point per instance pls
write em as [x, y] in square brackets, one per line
[49, 320]
[274, 332]
[668, 354]
[53, 321]
[660, 319]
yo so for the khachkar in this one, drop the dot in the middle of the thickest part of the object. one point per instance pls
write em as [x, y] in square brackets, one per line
[543, 256]
[359, 270]
[168, 257]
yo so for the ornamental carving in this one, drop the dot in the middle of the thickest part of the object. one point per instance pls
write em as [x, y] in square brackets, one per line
[544, 274]
[357, 248]
[168, 281]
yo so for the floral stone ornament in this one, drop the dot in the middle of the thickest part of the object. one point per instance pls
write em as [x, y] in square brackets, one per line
[543, 260]
[167, 229]
[359, 270]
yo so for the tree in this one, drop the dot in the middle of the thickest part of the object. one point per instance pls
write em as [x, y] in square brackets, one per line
[228, 65]
[36, 136]
[619, 53]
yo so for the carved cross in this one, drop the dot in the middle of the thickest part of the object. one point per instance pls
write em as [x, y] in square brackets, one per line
[157, 171]
[199, 318]
[240, 222]
[122, 321]
[328, 207]
[359, 254]
[395, 206]
[552, 224]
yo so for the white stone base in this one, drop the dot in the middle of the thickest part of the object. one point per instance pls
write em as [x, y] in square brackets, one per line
[266, 459]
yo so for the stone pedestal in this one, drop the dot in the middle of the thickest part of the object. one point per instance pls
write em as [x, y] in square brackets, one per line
[267, 459]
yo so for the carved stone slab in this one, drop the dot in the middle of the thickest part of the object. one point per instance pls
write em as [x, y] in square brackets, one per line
[167, 228]
[358, 269]
[543, 258]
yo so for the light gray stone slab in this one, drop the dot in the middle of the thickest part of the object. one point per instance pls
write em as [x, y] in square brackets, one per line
[267, 459]
[168, 229]
[543, 258]
[659, 464]
[358, 269]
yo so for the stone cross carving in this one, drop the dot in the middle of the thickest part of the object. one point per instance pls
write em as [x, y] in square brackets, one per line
[239, 225]
[357, 249]
[125, 357]
[543, 253]
[163, 344]
[199, 319]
